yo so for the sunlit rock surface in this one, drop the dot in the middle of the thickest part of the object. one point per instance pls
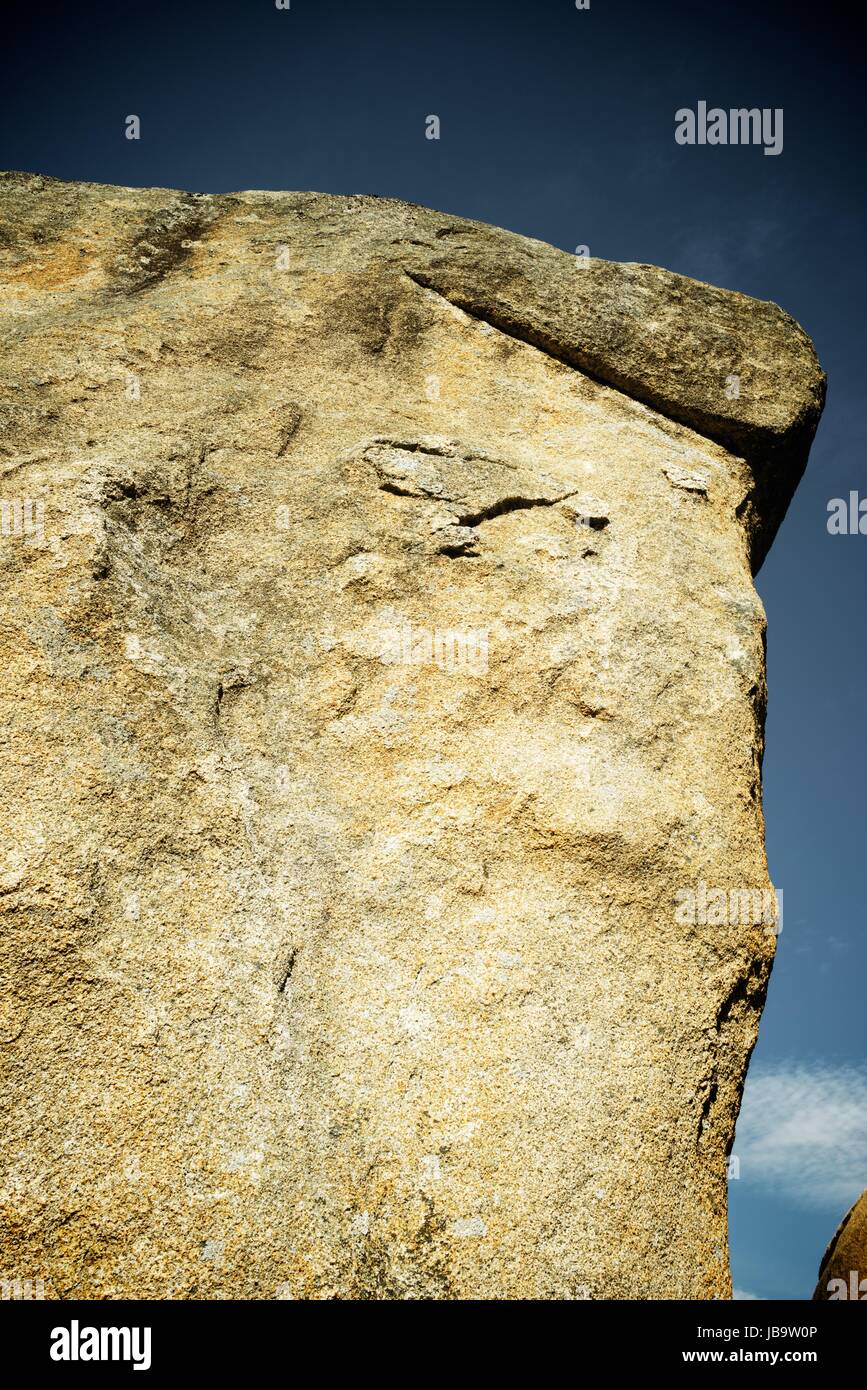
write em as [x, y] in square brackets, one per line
[384, 888]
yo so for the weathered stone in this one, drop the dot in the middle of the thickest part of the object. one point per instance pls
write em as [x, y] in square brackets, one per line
[843, 1271]
[382, 674]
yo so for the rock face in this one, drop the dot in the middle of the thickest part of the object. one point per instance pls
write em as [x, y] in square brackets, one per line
[382, 673]
[843, 1271]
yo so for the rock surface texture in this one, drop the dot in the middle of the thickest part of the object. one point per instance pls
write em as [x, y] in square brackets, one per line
[843, 1271]
[381, 665]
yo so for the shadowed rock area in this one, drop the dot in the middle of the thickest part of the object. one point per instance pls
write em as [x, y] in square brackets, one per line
[384, 888]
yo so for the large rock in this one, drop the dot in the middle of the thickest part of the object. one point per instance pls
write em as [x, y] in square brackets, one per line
[382, 674]
[843, 1271]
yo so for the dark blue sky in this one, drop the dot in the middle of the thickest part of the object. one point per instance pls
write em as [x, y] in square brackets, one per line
[559, 123]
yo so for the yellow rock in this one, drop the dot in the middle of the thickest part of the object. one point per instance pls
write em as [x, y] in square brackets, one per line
[843, 1272]
[382, 691]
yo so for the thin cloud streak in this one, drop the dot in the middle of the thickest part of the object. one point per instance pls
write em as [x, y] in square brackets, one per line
[802, 1133]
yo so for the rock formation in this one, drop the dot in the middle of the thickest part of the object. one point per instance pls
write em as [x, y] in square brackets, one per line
[384, 889]
[843, 1271]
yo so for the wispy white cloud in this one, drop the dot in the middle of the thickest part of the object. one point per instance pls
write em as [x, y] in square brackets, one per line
[803, 1133]
[742, 1294]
